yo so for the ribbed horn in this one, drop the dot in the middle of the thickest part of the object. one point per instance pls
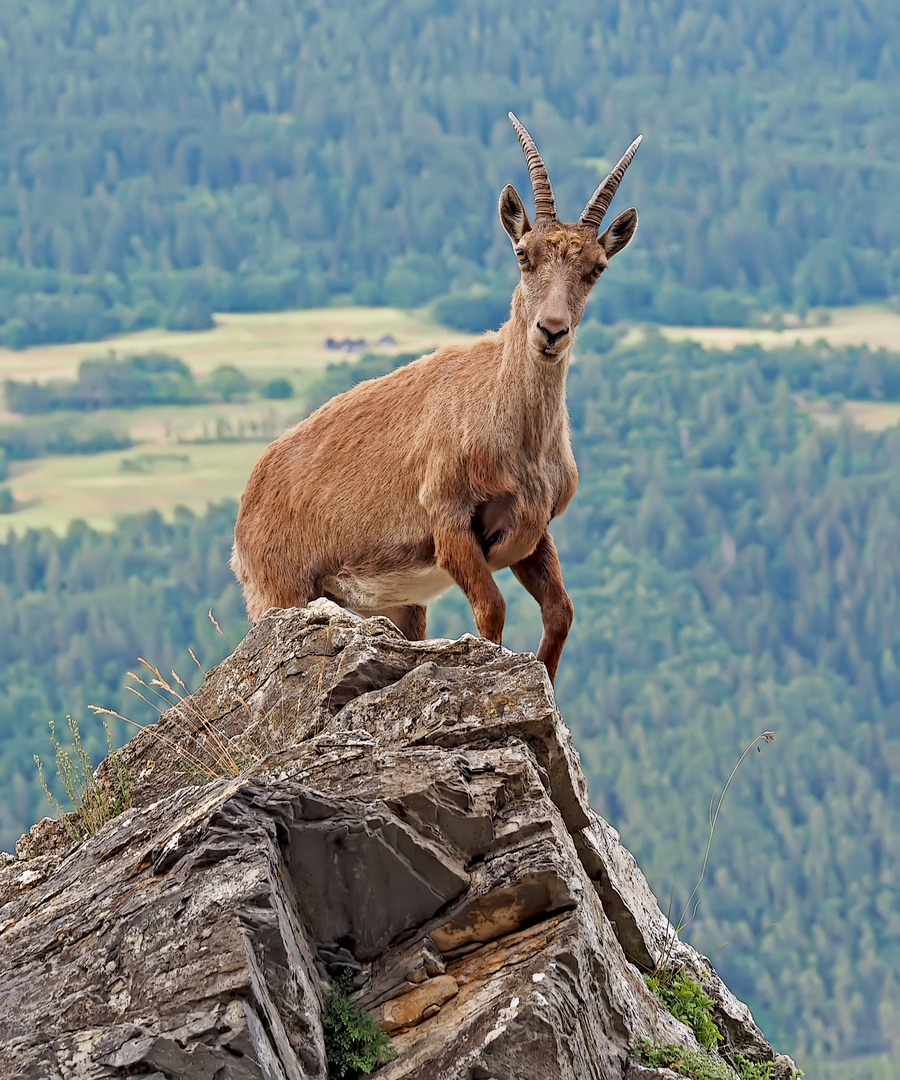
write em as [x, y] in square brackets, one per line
[544, 203]
[599, 202]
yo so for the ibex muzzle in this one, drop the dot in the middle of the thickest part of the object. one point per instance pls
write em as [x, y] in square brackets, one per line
[449, 468]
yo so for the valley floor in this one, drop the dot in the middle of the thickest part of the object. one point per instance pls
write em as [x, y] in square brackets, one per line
[196, 454]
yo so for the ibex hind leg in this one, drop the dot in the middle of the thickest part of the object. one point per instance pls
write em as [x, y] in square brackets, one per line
[409, 619]
[260, 596]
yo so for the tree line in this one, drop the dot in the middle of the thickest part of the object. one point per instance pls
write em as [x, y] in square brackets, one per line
[154, 378]
[157, 165]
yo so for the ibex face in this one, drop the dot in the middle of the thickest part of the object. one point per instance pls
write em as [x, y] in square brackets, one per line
[560, 262]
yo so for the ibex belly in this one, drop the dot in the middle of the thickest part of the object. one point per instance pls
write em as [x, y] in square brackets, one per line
[372, 592]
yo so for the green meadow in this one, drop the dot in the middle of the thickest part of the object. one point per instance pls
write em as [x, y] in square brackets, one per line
[191, 455]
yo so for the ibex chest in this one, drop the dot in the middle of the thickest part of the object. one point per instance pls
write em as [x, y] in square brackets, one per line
[509, 525]
[545, 475]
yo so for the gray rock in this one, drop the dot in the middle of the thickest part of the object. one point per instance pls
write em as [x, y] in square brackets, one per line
[411, 813]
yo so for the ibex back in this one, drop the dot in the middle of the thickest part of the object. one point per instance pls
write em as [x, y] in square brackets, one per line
[449, 468]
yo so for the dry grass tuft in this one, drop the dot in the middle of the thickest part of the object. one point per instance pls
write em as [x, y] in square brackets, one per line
[93, 803]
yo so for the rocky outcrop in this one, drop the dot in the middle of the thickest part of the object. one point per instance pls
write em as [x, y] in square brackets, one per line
[411, 813]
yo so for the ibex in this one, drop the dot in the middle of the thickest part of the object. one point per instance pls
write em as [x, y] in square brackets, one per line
[449, 468]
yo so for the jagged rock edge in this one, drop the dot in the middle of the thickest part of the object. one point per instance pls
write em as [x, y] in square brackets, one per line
[632, 924]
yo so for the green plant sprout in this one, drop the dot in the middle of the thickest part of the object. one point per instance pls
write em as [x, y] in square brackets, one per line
[699, 1065]
[354, 1042]
[687, 1001]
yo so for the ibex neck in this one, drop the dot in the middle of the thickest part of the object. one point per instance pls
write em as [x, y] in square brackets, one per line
[540, 382]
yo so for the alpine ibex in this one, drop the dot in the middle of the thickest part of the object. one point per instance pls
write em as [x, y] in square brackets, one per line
[449, 468]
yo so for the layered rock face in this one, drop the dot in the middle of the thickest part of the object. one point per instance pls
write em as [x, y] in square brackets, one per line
[416, 817]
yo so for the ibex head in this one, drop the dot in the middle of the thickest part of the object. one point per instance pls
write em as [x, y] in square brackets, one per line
[561, 262]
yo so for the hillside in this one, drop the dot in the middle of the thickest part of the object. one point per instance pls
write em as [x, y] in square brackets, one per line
[733, 568]
[159, 162]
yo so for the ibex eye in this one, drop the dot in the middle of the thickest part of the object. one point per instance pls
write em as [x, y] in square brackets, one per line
[521, 256]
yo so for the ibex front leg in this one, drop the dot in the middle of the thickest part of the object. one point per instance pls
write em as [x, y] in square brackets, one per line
[458, 551]
[541, 575]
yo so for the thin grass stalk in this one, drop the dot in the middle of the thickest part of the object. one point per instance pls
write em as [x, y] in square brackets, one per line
[765, 736]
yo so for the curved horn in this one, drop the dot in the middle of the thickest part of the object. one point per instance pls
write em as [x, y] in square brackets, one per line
[599, 202]
[544, 203]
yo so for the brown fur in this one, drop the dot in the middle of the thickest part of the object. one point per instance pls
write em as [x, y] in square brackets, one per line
[443, 471]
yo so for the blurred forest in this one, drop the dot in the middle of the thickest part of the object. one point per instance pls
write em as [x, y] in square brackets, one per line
[733, 565]
[162, 160]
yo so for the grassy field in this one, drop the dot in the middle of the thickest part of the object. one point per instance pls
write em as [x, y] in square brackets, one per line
[870, 415]
[869, 324]
[180, 462]
[56, 490]
[165, 425]
[170, 467]
[264, 345]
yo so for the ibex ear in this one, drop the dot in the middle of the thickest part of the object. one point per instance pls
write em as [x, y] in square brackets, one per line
[619, 234]
[512, 214]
